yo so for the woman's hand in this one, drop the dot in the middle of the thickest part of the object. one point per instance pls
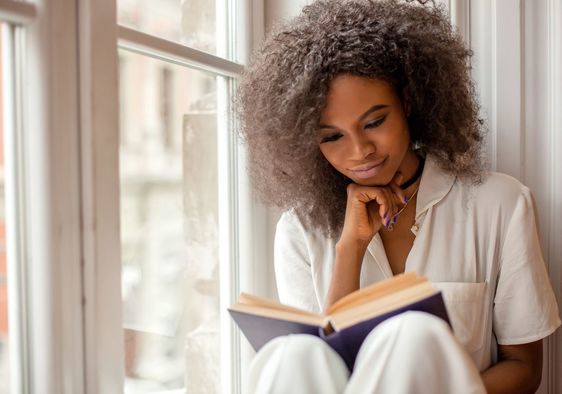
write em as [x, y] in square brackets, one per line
[368, 209]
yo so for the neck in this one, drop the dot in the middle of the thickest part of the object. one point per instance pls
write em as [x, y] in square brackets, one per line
[409, 168]
[416, 177]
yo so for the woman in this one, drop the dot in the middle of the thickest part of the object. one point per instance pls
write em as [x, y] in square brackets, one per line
[362, 125]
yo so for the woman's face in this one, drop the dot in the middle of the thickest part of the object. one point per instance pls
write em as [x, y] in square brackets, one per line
[363, 131]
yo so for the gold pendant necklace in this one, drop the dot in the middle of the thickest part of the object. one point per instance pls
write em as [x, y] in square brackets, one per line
[390, 227]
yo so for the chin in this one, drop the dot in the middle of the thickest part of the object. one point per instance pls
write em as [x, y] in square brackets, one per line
[371, 182]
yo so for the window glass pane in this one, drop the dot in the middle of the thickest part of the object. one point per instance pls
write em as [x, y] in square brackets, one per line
[4, 361]
[189, 22]
[169, 219]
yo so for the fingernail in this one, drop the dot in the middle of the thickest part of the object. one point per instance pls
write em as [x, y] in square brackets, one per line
[387, 223]
[385, 214]
[406, 199]
[394, 219]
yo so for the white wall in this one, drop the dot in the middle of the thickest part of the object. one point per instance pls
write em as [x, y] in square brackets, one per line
[517, 68]
[518, 71]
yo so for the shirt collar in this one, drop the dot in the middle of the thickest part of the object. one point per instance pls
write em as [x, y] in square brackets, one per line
[435, 183]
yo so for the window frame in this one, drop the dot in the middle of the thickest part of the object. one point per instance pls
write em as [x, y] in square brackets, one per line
[14, 214]
[47, 291]
[101, 183]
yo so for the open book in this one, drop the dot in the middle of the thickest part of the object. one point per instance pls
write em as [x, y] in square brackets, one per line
[347, 322]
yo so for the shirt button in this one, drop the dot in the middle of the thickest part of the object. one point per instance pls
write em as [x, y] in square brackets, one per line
[415, 227]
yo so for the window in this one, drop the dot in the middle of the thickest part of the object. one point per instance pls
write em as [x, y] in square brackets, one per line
[164, 171]
[190, 23]
[169, 226]
[178, 196]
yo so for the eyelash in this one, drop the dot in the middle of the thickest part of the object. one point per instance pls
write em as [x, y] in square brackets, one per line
[370, 125]
[375, 123]
[330, 138]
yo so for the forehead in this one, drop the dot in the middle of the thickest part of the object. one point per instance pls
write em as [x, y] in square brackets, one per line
[350, 95]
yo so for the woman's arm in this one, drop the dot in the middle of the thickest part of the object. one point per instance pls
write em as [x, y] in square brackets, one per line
[346, 272]
[519, 369]
[367, 210]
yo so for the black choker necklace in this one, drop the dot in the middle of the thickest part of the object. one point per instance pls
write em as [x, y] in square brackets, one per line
[416, 176]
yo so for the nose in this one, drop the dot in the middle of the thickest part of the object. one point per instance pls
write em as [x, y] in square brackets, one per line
[361, 146]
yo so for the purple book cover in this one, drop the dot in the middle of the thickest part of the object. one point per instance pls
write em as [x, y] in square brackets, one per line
[259, 329]
[348, 341]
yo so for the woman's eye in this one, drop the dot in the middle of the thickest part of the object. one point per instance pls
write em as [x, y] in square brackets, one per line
[375, 123]
[330, 138]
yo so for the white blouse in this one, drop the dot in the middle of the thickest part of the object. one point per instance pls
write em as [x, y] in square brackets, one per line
[478, 244]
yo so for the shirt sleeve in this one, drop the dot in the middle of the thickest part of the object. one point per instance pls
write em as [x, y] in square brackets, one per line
[292, 265]
[525, 308]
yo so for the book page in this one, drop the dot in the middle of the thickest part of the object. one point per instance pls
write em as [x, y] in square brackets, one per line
[379, 306]
[283, 314]
[251, 300]
[377, 290]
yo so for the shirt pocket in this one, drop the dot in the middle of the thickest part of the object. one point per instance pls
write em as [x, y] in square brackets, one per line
[465, 304]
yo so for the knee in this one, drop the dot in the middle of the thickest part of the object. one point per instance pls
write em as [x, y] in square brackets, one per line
[297, 361]
[297, 353]
[422, 323]
[289, 350]
[301, 347]
[413, 328]
[421, 327]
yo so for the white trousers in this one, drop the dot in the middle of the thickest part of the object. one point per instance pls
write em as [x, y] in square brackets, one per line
[413, 352]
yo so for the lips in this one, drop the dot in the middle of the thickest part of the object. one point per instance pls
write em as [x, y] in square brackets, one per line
[367, 170]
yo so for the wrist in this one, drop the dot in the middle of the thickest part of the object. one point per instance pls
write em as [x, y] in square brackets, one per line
[351, 245]
[351, 252]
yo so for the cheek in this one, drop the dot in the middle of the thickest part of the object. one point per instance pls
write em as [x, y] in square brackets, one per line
[395, 139]
[331, 156]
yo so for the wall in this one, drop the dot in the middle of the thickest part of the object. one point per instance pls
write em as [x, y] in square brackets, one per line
[517, 68]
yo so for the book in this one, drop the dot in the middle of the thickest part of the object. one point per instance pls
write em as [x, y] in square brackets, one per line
[347, 322]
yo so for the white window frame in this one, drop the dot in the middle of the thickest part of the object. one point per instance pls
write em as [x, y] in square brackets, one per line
[71, 184]
[43, 226]
[102, 184]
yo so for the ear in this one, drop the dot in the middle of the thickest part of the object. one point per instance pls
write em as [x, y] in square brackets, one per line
[406, 101]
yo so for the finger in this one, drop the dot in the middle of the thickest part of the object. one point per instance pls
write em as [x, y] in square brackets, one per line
[365, 194]
[398, 178]
[398, 204]
[392, 209]
[373, 209]
[383, 197]
[398, 192]
[376, 200]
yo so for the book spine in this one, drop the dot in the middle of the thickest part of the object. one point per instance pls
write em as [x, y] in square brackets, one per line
[336, 342]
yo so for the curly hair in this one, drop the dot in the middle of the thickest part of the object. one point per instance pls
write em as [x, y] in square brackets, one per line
[283, 92]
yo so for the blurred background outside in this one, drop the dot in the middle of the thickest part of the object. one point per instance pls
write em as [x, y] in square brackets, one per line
[169, 224]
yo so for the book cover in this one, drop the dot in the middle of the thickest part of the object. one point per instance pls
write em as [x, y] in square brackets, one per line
[346, 342]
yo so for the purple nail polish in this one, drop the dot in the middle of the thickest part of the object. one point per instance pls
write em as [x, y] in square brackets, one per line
[406, 199]
[385, 214]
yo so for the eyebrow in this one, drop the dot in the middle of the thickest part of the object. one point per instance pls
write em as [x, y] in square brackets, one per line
[374, 108]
